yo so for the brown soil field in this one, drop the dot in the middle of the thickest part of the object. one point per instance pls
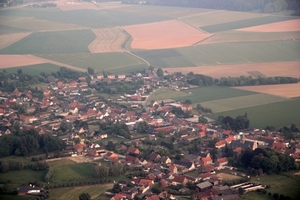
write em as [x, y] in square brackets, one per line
[285, 26]
[162, 35]
[282, 90]
[68, 5]
[6, 40]
[243, 36]
[108, 40]
[291, 69]
[9, 61]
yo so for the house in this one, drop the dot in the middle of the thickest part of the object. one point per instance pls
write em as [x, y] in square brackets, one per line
[131, 160]
[184, 166]
[179, 180]
[222, 161]
[165, 195]
[165, 160]
[220, 144]
[31, 190]
[151, 197]
[143, 181]
[119, 196]
[133, 151]
[206, 161]
[204, 186]
[173, 169]
[111, 156]
[155, 157]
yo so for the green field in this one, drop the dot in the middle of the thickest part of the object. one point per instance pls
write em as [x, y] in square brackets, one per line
[110, 62]
[20, 177]
[223, 53]
[86, 18]
[55, 42]
[222, 105]
[35, 69]
[166, 93]
[281, 184]
[275, 114]
[73, 193]
[245, 23]
[211, 93]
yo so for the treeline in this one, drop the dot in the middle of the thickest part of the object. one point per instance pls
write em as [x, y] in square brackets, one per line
[266, 160]
[238, 123]
[248, 81]
[11, 165]
[30, 143]
[117, 128]
[115, 169]
[268, 6]
[199, 79]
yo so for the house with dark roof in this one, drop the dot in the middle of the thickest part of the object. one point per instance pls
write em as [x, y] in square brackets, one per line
[184, 166]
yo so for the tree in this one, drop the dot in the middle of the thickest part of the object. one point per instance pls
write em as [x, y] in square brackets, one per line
[202, 120]
[187, 101]
[160, 72]
[90, 71]
[84, 196]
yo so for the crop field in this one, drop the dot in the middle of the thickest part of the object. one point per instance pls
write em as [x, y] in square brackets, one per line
[222, 105]
[162, 35]
[277, 114]
[108, 40]
[32, 24]
[226, 53]
[203, 94]
[110, 62]
[74, 192]
[10, 30]
[283, 90]
[25, 176]
[6, 40]
[245, 36]
[55, 42]
[290, 69]
[244, 23]
[217, 17]
[166, 93]
[36, 69]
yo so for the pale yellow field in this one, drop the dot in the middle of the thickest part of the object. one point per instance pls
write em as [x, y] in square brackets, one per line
[283, 90]
[6, 40]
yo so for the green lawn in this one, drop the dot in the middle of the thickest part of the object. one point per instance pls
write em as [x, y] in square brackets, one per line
[275, 114]
[166, 93]
[74, 192]
[255, 196]
[53, 42]
[281, 184]
[36, 69]
[110, 62]
[23, 176]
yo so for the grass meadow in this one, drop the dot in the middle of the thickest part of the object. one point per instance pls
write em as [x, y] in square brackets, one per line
[55, 42]
[48, 68]
[73, 193]
[281, 184]
[277, 114]
[110, 62]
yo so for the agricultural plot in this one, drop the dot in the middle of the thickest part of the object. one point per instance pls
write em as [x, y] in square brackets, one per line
[284, 90]
[213, 17]
[108, 40]
[162, 35]
[110, 62]
[245, 23]
[6, 40]
[203, 94]
[290, 25]
[32, 24]
[86, 18]
[10, 30]
[74, 192]
[290, 69]
[244, 36]
[234, 103]
[47, 68]
[56, 42]
[275, 114]
[65, 6]
[166, 93]
[22, 176]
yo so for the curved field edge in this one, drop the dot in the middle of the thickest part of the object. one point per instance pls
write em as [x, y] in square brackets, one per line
[275, 114]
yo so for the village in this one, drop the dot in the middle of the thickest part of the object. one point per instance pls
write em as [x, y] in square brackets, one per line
[193, 159]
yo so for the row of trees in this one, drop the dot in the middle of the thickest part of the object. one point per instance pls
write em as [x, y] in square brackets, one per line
[115, 169]
[29, 143]
[10, 165]
[117, 128]
[268, 6]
